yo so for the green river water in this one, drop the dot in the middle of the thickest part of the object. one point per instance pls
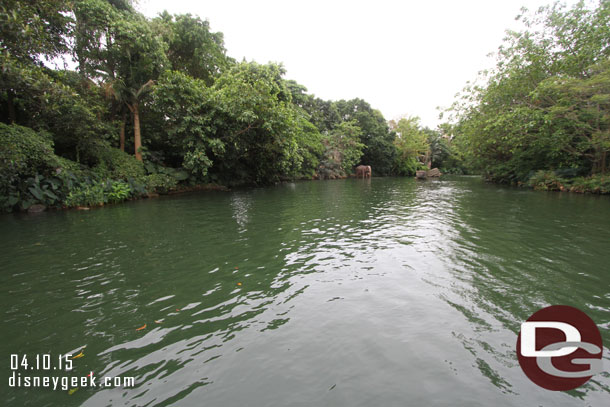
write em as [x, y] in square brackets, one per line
[382, 292]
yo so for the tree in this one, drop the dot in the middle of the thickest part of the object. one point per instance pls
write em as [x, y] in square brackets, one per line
[577, 112]
[188, 135]
[191, 47]
[262, 134]
[57, 102]
[29, 32]
[342, 150]
[323, 114]
[532, 112]
[379, 151]
[411, 145]
[118, 46]
[140, 59]
[35, 29]
[438, 148]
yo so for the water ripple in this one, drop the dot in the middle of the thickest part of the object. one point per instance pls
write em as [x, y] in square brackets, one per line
[352, 292]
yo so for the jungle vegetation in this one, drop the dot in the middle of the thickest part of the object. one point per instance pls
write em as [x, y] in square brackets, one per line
[541, 117]
[101, 104]
[149, 105]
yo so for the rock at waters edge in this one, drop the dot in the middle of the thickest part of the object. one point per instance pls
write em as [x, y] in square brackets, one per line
[37, 208]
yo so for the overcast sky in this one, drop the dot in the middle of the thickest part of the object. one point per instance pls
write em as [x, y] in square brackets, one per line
[403, 57]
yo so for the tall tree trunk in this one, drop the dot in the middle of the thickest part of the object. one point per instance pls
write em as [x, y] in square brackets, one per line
[122, 133]
[137, 140]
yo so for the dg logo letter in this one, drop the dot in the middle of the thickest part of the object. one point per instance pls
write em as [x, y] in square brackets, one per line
[560, 348]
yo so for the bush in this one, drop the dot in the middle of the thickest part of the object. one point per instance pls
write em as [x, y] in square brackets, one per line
[160, 183]
[118, 165]
[29, 169]
[408, 166]
[453, 171]
[64, 165]
[87, 195]
[93, 192]
[24, 153]
[31, 173]
[330, 169]
[550, 181]
[119, 191]
[546, 181]
[596, 184]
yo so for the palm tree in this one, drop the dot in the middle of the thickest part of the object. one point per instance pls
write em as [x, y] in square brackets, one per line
[130, 98]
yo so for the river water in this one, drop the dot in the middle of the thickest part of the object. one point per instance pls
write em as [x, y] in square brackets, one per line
[382, 292]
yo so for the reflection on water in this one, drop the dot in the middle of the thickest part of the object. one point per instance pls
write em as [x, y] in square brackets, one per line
[240, 202]
[354, 292]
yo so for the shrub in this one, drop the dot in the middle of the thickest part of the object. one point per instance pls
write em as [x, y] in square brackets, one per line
[64, 165]
[87, 195]
[330, 169]
[29, 169]
[408, 166]
[453, 170]
[118, 165]
[31, 173]
[24, 153]
[119, 191]
[160, 183]
[546, 181]
[596, 184]
[46, 191]
[550, 181]
[179, 174]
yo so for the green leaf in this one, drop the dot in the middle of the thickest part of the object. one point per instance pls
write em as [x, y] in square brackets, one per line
[150, 167]
[36, 192]
[180, 175]
[51, 195]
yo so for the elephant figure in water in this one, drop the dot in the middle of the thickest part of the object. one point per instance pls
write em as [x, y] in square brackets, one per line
[363, 171]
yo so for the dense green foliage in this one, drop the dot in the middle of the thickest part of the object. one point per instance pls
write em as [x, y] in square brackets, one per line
[411, 144]
[156, 104]
[546, 105]
[342, 150]
[31, 173]
[550, 181]
[379, 151]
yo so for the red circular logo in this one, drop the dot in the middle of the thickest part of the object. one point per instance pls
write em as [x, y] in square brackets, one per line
[559, 348]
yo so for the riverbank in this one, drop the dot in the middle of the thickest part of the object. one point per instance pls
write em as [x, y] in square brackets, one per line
[37, 208]
[541, 181]
[550, 181]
